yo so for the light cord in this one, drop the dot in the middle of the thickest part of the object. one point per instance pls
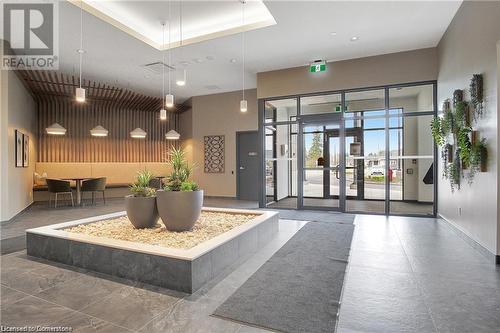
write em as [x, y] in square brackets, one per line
[169, 48]
[243, 2]
[80, 52]
[163, 66]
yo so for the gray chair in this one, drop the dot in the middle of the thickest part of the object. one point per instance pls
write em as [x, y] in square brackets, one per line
[95, 185]
[57, 186]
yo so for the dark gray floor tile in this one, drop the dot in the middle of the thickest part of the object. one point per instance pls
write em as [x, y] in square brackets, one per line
[32, 311]
[131, 307]
[439, 267]
[32, 283]
[461, 306]
[392, 262]
[205, 324]
[82, 323]
[383, 282]
[8, 295]
[80, 292]
[459, 252]
[367, 312]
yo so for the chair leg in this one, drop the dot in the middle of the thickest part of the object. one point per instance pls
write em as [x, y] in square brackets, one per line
[50, 200]
[72, 202]
[93, 198]
[55, 206]
[103, 197]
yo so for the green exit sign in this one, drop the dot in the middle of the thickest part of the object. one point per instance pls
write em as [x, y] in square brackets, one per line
[318, 66]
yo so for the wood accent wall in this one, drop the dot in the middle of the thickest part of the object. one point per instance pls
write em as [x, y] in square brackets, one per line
[119, 111]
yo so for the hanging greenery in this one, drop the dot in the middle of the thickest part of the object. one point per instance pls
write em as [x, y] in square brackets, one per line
[476, 95]
[460, 149]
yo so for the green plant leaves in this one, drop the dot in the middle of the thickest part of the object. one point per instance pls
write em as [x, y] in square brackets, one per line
[141, 186]
[178, 180]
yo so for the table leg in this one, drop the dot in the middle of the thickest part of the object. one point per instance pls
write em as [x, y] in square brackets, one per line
[78, 192]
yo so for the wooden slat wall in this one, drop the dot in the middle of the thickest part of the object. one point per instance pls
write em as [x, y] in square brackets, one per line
[79, 146]
[118, 110]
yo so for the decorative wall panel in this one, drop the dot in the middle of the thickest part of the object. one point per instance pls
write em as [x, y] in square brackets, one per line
[118, 110]
[214, 153]
[79, 146]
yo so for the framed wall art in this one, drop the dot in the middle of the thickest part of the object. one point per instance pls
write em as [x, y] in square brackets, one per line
[19, 149]
[214, 154]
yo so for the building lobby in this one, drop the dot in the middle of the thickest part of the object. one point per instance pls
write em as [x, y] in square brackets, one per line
[249, 166]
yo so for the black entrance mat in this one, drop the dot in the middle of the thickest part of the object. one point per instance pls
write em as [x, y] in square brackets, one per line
[299, 288]
[313, 215]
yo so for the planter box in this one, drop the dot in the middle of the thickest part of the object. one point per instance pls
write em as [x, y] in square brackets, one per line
[177, 269]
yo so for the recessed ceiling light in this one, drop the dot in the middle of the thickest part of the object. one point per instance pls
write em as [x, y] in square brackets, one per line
[233, 60]
[333, 33]
[354, 38]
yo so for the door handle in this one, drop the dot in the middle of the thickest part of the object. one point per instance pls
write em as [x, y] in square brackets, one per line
[337, 171]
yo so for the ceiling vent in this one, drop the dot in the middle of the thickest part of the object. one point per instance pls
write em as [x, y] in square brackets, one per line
[157, 67]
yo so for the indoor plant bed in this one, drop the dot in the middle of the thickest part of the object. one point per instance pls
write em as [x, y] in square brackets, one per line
[141, 204]
[180, 202]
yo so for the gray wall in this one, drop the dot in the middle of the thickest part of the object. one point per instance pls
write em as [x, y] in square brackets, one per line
[394, 68]
[18, 111]
[470, 46]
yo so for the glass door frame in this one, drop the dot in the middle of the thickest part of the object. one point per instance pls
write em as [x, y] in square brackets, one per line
[323, 119]
[386, 88]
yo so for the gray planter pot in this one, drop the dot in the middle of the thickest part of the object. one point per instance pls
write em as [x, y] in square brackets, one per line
[141, 211]
[179, 211]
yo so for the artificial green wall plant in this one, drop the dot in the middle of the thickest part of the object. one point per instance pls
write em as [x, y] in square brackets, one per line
[453, 132]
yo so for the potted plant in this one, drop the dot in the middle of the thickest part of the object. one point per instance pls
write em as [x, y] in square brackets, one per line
[141, 204]
[180, 202]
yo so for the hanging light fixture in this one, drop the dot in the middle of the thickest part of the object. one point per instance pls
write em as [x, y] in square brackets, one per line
[172, 135]
[243, 102]
[163, 112]
[138, 133]
[80, 92]
[55, 129]
[169, 99]
[99, 131]
[182, 79]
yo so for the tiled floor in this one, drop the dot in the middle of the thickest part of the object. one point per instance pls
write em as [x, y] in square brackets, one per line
[417, 275]
[404, 275]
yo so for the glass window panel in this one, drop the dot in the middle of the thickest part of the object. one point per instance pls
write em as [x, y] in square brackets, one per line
[364, 103]
[281, 110]
[313, 149]
[281, 167]
[321, 104]
[412, 99]
[411, 168]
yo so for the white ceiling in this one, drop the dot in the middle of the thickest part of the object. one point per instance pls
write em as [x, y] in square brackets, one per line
[302, 34]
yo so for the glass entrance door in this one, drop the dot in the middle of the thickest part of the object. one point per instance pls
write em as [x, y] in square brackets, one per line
[320, 164]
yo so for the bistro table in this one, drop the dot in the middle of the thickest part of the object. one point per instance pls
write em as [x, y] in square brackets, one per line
[78, 181]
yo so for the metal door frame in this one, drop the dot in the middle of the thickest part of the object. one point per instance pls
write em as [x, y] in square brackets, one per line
[322, 120]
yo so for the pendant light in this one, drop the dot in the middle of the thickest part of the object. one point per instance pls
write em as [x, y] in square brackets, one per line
[138, 133]
[55, 129]
[99, 131]
[243, 102]
[181, 80]
[80, 92]
[169, 99]
[172, 135]
[163, 112]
